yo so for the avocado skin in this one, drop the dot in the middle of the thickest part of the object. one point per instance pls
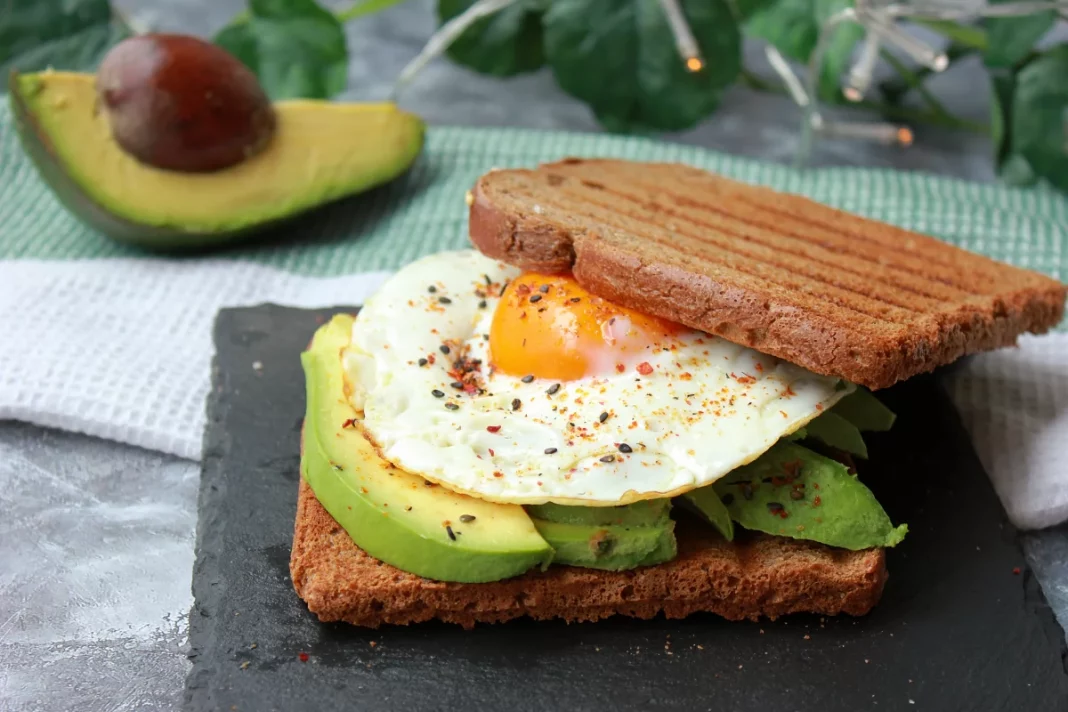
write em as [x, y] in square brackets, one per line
[38, 147]
[354, 485]
[638, 514]
[611, 547]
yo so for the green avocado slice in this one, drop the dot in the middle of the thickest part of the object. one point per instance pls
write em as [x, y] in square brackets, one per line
[865, 411]
[834, 430]
[639, 514]
[706, 501]
[833, 508]
[395, 516]
[611, 547]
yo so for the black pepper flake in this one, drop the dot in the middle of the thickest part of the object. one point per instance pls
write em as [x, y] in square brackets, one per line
[767, 480]
[603, 417]
[516, 403]
[535, 298]
[503, 288]
[467, 518]
[452, 535]
[443, 349]
[422, 362]
[432, 289]
[727, 499]
[747, 491]
[452, 406]
[482, 304]
[458, 385]
[444, 300]
[551, 390]
[488, 280]
[608, 458]
[775, 507]
[527, 378]
[437, 394]
[550, 450]
[624, 448]
[797, 494]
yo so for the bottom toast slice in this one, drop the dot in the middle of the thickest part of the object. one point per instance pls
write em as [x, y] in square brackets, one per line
[753, 577]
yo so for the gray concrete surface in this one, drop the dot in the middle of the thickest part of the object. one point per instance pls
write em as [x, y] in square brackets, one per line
[97, 537]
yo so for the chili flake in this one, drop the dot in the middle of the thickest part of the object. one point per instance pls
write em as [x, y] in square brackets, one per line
[303, 657]
[493, 428]
[644, 368]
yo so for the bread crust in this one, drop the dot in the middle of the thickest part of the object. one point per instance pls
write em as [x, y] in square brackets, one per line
[830, 291]
[760, 576]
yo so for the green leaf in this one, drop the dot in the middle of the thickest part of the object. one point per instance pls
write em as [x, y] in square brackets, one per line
[506, 43]
[788, 25]
[1011, 39]
[295, 47]
[72, 35]
[619, 57]
[1039, 127]
[1002, 86]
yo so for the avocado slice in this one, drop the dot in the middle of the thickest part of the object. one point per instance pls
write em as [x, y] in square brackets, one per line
[321, 151]
[639, 514]
[834, 430]
[611, 547]
[395, 516]
[706, 501]
[831, 506]
[865, 411]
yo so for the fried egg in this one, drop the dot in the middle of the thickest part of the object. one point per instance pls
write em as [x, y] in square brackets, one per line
[526, 388]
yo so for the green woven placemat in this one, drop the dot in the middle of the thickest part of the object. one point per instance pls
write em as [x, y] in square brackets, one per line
[424, 211]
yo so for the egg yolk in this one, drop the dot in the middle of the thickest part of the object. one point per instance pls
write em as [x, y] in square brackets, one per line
[547, 326]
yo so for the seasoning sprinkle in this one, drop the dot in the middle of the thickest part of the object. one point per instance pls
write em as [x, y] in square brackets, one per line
[775, 507]
[452, 535]
[467, 518]
[550, 450]
[437, 394]
[727, 499]
[608, 458]
[503, 288]
[747, 491]
[603, 417]
[576, 300]
[553, 389]
[482, 304]
[516, 403]
[458, 385]
[534, 299]
[493, 428]
[452, 406]
[443, 349]
[527, 378]
[624, 448]
[432, 289]
[488, 280]
[544, 289]
[797, 494]
[422, 362]
[444, 300]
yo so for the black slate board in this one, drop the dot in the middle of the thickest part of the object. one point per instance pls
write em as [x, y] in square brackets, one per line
[956, 630]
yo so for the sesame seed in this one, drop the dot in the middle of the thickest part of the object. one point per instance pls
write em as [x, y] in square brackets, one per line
[482, 304]
[437, 394]
[422, 362]
[444, 349]
[544, 289]
[452, 535]
[624, 448]
[488, 280]
[775, 507]
[458, 385]
[603, 417]
[516, 403]
[467, 518]
[608, 458]
[550, 450]
[535, 299]
[503, 288]
[527, 378]
[553, 389]
[452, 406]
[432, 289]
[444, 300]
[797, 494]
[576, 300]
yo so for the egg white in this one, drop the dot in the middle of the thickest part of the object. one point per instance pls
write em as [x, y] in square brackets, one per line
[708, 407]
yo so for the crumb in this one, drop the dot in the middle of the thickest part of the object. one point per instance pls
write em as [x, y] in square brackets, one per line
[253, 646]
[373, 643]
[808, 637]
[257, 365]
[244, 665]
[469, 198]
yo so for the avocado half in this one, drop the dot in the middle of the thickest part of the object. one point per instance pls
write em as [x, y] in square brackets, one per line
[393, 515]
[322, 151]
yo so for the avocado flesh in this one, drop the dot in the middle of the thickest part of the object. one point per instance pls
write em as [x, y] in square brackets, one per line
[833, 507]
[707, 502]
[611, 547]
[865, 411]
[321, 151]
[834, 430]
[391, 514]
[638, 514]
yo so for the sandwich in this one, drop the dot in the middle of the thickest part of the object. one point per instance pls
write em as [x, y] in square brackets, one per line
[644, 391]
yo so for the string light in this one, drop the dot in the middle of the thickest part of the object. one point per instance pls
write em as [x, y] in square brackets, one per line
[685, 43]
[860, 76]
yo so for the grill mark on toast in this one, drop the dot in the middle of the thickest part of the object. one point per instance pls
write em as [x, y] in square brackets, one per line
[930, 301]
[818, 294]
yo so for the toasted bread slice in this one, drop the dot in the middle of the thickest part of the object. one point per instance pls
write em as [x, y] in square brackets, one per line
[762, 576]
[838, 294]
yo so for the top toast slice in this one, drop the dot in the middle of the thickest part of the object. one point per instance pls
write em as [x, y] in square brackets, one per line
[833, 292]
